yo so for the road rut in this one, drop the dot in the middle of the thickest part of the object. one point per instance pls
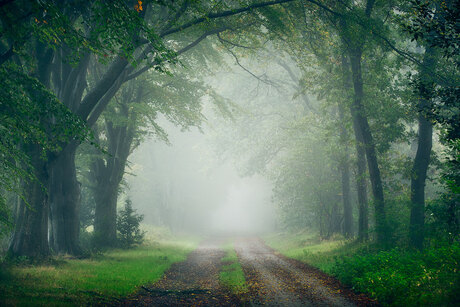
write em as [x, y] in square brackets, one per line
[275, 280]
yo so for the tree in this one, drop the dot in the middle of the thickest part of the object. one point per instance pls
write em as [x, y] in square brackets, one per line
[128, 226]
[433, 24]
[128, 38]
[130, 117]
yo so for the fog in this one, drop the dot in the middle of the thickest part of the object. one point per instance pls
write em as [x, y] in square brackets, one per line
[214, 179]
[183, 186]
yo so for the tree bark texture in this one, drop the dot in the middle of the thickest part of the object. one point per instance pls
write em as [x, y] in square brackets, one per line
[361, 186]
[30, 237]
[108, 172]
[422, 158]
[345, 176]
[360, 119]
[64, 192]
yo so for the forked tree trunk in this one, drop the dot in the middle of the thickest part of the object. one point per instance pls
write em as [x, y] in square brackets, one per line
[30, 237]
[422, 157]
[108, 174]
[361, 187]
[360, 118]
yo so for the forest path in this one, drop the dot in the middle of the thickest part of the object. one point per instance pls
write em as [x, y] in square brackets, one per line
[273, 280]
[194, 282]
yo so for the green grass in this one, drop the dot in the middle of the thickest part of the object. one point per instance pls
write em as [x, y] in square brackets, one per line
[231, 275]
[114, 274]
[307, 247]
[395, 277]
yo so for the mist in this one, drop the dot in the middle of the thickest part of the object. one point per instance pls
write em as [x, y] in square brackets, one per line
[182, 185]
[229, 153]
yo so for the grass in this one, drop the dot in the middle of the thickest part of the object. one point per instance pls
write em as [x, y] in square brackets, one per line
[231, 275]
[307, 247]
[395, 277]
[114, 274]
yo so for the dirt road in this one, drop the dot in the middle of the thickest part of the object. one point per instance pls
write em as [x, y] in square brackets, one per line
[273, 280]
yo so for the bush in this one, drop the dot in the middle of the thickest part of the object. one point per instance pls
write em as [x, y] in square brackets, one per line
[398, 277]
[128, 226]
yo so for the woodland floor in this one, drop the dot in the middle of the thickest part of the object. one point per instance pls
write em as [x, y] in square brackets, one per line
[273, 280]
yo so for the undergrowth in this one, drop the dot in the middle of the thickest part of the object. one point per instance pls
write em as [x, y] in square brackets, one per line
[400, 277]
[395, 277]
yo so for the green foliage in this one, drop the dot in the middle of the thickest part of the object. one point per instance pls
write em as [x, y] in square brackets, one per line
[92, 281]
[399, 277]
[128, 226]
[436, 23]
[30, 115]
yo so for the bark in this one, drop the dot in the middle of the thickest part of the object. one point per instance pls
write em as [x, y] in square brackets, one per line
[361, 122]
[30, 237]
[107, 175]
[64, 188]
[361, 186]
[105, 218]
[422, 159]
[345, 174]
[64, 202]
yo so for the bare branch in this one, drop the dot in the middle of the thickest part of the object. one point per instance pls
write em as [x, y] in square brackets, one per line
[232, 43]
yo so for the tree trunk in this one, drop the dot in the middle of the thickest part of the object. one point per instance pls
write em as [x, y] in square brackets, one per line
[345, 172]
[361, 187]
[65, 202]
[30, 236]
[422, 158]
[105, 218]
[108, 175]
[360, 119]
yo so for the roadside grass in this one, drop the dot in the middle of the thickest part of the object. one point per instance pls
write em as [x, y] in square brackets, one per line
[232, 275]
[395, 277]
[114, 274]
[307, 247]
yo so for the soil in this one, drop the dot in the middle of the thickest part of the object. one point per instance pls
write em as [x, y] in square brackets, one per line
[273, 280]
[194, 282]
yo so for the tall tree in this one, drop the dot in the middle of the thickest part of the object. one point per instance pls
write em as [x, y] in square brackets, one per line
[127, 38]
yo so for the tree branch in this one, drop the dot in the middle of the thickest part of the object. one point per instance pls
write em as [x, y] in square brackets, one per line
[102, 87]
[180, 51]
[223, 40]
[223, 14]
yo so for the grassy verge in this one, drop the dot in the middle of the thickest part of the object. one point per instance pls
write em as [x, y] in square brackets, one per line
[307, 247]
[394, 277]
[76, 282]
[231, 275]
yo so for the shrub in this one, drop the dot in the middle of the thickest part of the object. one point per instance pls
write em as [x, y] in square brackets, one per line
[128, 226]
[399, 277]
